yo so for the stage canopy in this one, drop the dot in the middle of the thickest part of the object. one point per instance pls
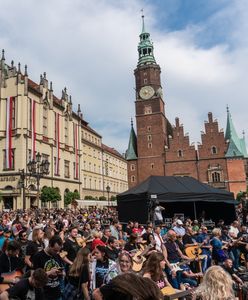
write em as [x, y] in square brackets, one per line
[179, 195]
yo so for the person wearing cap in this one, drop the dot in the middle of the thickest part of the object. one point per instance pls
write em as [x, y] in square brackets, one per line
[179, 229]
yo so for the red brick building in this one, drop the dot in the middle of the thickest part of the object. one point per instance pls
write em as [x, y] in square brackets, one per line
[162, 149]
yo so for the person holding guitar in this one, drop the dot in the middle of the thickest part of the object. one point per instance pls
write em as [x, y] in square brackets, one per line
[9, 263]
[192, 249]
[174, 255]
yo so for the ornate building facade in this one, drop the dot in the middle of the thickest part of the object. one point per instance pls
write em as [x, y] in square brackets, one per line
[162, 149]
[33, 120]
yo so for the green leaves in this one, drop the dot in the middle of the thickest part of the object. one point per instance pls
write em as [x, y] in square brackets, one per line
[50, 194]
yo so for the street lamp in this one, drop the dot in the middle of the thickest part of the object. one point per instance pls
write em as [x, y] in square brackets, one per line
[108, 191]
[38, 168]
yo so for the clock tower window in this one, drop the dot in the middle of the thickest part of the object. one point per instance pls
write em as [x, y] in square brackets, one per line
[147, 109]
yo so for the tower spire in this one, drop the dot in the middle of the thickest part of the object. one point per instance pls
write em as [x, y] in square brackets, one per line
[236, 145]
[131, 153]
[143, 21]
[145, 47]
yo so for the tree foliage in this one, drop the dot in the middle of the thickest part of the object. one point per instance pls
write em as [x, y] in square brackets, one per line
[50, 194]
[70, 197]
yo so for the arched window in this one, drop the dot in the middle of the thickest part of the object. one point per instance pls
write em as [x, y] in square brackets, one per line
[132, 178]
[214, 150]
[180, 153]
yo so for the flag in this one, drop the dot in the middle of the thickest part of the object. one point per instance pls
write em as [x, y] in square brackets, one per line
[57, 141]
[76, 148]
[8, 141]
[33, 128]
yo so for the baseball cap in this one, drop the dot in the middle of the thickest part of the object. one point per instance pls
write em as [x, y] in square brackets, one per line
[179, 222]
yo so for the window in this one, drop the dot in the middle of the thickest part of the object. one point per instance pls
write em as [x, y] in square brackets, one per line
[132, 167]
[149, 128]
[149, 137]
[44, 157]
[149, 145]
[66, 131]
[132, 178]
[13, 113]
[214, 150]
[9, 163]
[45, 120]
[67, 169]
[85, 182]
[145, 80]
[215, 177]
[152, 165]
[147, 109]
[180, 153]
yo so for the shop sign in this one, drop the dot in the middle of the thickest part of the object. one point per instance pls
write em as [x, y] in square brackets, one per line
[8, 178]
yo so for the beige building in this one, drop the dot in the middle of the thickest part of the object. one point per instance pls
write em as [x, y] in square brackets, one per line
[32, 121]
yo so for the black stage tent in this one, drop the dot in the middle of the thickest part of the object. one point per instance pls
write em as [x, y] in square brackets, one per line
[184, 195]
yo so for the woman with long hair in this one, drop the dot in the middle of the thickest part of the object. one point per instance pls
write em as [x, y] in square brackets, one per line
[154, 269]
[129, 286]
[216, 285]
[123, 264]
[78, 277]
[219, 251]
[101, 266]
[49, 232]
[34, 246]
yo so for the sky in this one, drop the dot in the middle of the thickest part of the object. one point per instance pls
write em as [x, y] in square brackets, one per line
[90, 47]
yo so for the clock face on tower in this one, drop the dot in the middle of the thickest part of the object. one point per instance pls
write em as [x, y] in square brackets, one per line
[146, 92]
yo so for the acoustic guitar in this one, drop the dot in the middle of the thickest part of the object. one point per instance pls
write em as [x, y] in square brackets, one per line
[9, 279]
[193, 251]
[139, 259]
[83, 241]
[168, 290]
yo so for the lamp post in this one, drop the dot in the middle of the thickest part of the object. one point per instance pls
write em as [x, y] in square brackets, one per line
[38, 168]
[108, 191]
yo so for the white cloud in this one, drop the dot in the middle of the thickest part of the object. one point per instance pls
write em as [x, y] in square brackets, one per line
[91, 47]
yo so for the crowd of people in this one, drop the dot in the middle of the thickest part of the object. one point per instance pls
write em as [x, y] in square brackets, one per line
[88, 254]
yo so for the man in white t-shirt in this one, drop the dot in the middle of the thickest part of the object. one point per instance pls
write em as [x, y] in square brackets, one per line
[234, 230]
[157, 215]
